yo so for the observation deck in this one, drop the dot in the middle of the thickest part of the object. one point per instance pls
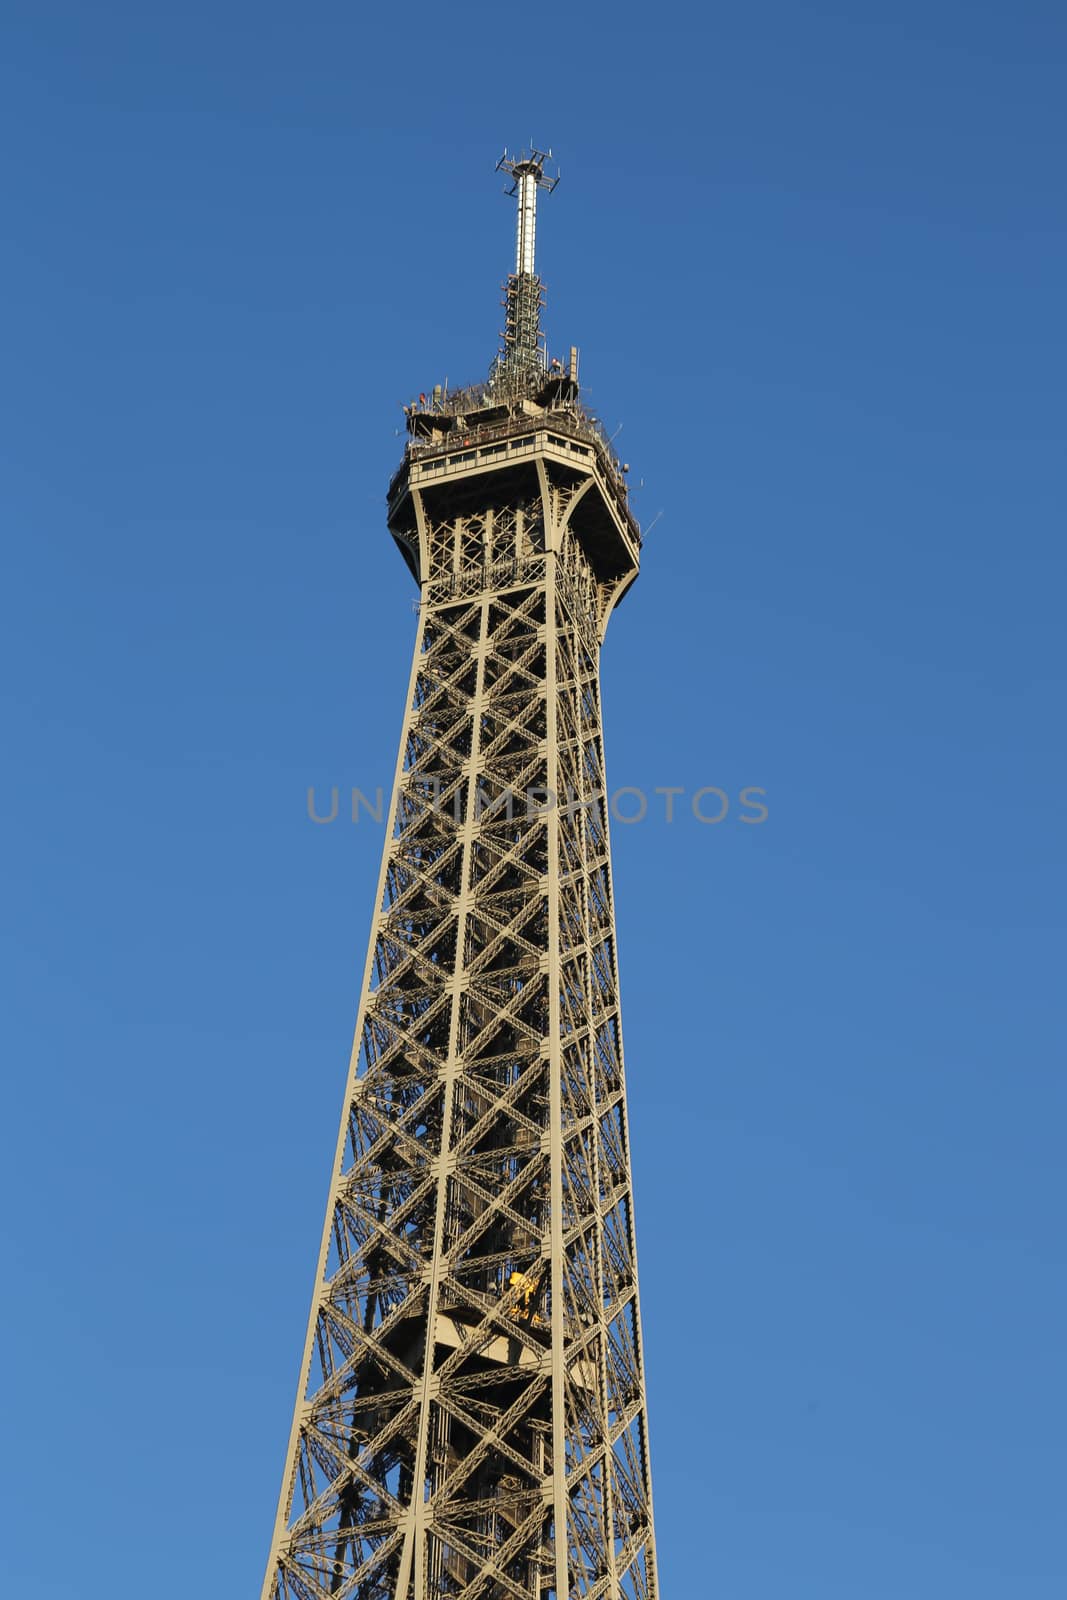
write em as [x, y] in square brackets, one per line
[480, 446]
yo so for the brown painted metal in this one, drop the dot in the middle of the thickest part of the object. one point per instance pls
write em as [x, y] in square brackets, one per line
[471, 1413]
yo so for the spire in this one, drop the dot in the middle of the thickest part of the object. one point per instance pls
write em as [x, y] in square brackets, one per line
[522, 356]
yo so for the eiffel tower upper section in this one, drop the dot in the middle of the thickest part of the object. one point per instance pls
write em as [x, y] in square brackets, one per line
[470, 1421]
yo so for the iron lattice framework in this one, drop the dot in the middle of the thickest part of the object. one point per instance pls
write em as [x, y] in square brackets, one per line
[471, 1416]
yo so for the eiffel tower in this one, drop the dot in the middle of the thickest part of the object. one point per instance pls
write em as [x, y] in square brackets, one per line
[471, 1419]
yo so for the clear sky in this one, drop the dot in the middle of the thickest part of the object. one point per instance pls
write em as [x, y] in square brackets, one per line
[814, 256]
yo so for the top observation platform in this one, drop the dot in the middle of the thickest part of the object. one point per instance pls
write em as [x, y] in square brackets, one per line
[460, 436]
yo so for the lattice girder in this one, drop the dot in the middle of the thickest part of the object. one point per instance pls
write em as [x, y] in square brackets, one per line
[471, 1418]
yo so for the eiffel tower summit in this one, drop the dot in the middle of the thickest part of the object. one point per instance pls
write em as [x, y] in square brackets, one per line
[470, 1418]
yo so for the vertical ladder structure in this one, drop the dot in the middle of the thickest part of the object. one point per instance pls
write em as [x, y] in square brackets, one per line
[471, 1417]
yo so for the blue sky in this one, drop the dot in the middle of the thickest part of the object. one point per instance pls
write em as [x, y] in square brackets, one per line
[814, 258]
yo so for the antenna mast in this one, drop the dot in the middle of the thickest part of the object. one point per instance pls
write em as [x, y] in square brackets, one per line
[522, 357]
